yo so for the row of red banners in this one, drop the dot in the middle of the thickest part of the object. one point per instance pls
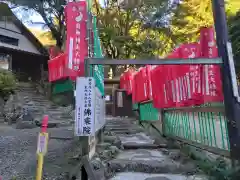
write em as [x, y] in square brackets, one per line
[56, 68]
[71, 63]
[178, 85]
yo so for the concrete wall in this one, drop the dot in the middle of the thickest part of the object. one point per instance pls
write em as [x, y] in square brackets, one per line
[11, 30]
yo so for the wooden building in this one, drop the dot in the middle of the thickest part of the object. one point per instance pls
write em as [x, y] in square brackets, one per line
[20, 50]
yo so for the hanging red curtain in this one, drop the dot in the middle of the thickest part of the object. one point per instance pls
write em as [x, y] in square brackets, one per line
[173, 79]
[212, 83]
[76, 44]
[149, 68]
[56, 68]
[159, 97]
[143, 84]
[134, 93]
[122, 81]
[192, 86]
[128, 80]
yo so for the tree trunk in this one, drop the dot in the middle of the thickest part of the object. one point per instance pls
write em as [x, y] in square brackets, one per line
[59, 43]
[114, 70]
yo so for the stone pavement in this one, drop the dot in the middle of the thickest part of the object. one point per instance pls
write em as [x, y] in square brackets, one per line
[129, 153]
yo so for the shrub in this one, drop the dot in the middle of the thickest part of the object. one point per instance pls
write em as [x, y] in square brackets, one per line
[7, 83]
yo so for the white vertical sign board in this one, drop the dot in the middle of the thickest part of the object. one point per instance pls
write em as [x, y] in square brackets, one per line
[99, 110]
[84, 113]
[120, 99]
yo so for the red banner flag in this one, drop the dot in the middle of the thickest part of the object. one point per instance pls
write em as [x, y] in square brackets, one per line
[134, 88]
[56, 67]
[158, 96]
[212, 87]
[76, 45]
[122, 81]
[192, 86]
[129, 80]
[173, 82]
[149, 68]
[142, 84]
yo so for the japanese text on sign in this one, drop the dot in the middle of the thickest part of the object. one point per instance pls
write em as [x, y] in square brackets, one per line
[76, 15]
[42, 143]
[84, 122]
[78, 20]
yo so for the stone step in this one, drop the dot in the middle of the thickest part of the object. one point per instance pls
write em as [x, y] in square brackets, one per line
[44, 106]
[128, 128]
[67, 115]
[2, 120]
[61, 133]
[38, 97]
[148, 176]
[120, 124]
[136, 139]
[39, 116]
[142, 146]
[148, 161]
[118, 120]
[27, 92]
[121, 127]
[55, 123]
[40, 105]
[43, 103]
[53, 108]
[143, 155]
[126, 132]
[57, 112]
[26, 89]
[124, 129]
[41, 100]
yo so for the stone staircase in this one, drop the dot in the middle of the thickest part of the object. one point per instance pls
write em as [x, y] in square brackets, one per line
[143, 156]
[36, 106]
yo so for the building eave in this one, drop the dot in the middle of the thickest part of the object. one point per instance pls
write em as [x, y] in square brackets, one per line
[25, 31]
[7, 49]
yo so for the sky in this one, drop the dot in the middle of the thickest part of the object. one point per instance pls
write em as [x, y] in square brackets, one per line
[38, 22]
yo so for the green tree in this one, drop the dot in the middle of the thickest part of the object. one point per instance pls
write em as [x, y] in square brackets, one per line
[232, 7]
[191, 15]
[45, 37]
[234, 36]
[52, 12]
[7, 83]
[125, 31]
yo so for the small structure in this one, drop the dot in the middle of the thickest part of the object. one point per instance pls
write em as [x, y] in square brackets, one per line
[20, 50]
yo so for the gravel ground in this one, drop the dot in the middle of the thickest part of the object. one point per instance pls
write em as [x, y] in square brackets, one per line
[18, 154]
